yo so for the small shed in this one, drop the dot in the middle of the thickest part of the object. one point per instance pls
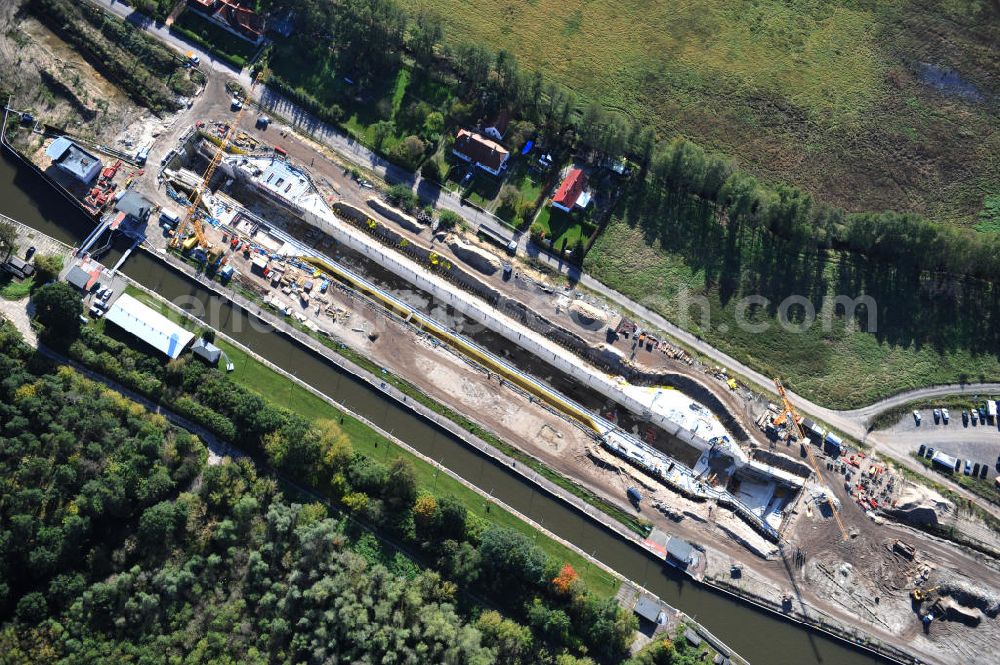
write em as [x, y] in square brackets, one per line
[207, 351]
[693, 638]
[78, 277]
[18, 267]
[679, 552]
[648, 609]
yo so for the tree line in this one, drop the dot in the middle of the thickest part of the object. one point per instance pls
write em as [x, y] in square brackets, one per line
[541, 601]
[143, 68]
[488, 81]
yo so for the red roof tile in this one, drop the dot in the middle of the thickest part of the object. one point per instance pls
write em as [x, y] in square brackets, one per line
[481, 150]
[571, 188]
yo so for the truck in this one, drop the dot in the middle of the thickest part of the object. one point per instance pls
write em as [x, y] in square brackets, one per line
[169, 219]
[946, 462]
[142, 155]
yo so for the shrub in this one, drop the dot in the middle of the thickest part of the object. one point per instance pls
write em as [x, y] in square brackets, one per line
[409, 151]
[403, 197]
[449, 219]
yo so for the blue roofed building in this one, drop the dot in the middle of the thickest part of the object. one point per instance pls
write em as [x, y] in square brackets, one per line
[73, 159]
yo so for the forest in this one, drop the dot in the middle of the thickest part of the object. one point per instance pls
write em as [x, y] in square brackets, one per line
[121, 541]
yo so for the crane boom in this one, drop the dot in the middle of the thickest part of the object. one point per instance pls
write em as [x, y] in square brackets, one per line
[191, 215]
[793, 416]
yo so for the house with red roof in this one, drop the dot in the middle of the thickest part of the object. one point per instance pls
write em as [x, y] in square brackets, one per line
[233, 16]
[572, 193]
[480, 151]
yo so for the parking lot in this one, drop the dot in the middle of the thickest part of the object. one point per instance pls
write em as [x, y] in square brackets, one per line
[979, 443]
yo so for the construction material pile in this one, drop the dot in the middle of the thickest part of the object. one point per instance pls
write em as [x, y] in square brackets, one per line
[919, 505]
[395, 214]
[480, 259]
[587, 315]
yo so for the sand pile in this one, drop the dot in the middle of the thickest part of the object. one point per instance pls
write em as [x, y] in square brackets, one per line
[587, 316]
[920, 505]
[395, 214]
[480, 259]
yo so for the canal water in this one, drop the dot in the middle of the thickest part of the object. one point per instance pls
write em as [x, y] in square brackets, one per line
[758, 636]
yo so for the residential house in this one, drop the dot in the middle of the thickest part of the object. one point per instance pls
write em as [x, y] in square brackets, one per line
[234, 17]
[572, 193]
[497, 126]
[480, 151]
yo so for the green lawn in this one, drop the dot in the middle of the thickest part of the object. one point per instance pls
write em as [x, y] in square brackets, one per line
[923, 337]
[391, 97]
[277, 389]
[12, 289]
[562, 229]
[827, 95]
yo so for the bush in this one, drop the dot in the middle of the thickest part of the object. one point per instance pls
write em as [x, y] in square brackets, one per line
[47, 267]
[431, 169]
[449, 219]
[402, 197]
[409, 152]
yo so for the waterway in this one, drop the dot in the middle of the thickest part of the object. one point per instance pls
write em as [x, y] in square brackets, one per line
[759, 636]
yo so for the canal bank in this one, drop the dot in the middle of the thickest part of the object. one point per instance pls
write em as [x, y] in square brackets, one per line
[761, 638]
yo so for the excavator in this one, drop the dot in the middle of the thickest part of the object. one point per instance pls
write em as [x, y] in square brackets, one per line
[192, 215]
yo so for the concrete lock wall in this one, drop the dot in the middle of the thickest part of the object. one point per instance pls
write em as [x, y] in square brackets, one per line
[602, 384]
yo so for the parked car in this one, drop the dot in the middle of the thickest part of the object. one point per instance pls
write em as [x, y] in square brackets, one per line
[958, 465]
[930, 452]
[965, 418]
[983, 471]
[923, 449]
[236, 104]
[968, 467]
[937, 416]
[975, 416]
[945, 416]
[29, 253]
[975, 470]
[916, 416]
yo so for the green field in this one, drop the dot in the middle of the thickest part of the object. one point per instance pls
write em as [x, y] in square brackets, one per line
[926, 334]
[277, 389]
[832, 95]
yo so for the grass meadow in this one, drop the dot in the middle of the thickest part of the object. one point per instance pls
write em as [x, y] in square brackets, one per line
[832, 95]
[926, 333]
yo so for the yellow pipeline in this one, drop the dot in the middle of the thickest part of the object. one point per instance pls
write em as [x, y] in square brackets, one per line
[461, 345]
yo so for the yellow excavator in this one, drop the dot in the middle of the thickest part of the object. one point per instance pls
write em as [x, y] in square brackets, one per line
[921, 594]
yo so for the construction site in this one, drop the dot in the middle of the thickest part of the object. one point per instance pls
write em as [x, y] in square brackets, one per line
[779, 509]
[775, 507]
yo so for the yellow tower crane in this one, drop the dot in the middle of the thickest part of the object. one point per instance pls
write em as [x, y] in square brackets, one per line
[191, 215]
[789, 410]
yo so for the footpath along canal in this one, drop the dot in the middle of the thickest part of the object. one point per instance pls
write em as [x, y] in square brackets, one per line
[757, 635]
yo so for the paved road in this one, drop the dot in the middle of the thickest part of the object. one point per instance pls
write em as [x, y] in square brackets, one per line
[162, 32]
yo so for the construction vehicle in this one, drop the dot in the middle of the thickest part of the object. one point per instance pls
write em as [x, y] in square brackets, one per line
[920, 594]
[192, 212]
[794, 418]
